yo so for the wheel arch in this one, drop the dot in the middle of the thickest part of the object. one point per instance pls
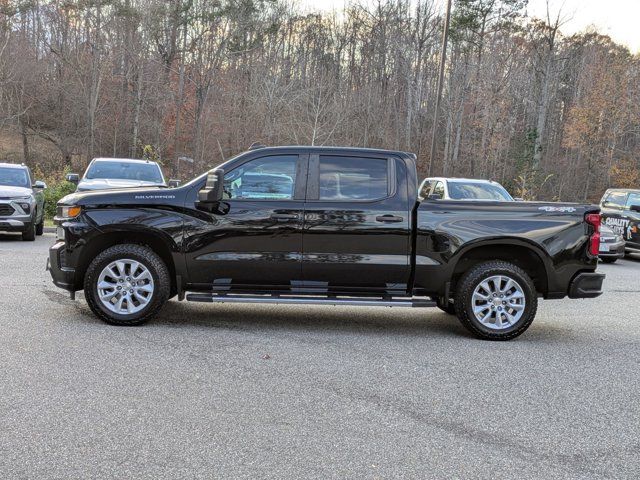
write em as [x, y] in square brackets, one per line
[102, 241]
[521, 253]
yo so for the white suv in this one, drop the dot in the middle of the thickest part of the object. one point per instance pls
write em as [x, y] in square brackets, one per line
[440, 188]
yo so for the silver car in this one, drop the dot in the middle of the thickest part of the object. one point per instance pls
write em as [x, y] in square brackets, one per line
[110, 173]
[21, 201]
[441, 188]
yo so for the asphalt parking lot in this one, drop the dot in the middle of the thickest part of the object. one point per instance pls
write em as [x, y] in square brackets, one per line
[235, 391]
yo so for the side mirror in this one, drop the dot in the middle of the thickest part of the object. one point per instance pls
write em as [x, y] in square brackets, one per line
[435, 196]
[173, 183]
[212, 192]
[40, 185]
[518, 199]
[73, 178]
[635, 208]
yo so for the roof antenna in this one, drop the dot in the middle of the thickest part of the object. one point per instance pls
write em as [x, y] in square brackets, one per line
[256, 145]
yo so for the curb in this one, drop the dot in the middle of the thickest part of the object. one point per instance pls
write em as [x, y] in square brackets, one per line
[49, 229]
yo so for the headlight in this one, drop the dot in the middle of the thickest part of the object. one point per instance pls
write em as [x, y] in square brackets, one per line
[68, 211]
[25, 206]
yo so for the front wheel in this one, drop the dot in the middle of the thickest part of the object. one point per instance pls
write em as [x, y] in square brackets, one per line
[29, 235]
[496, 301]
[127, 284]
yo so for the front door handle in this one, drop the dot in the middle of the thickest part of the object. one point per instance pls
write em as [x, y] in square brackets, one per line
[284, 216]
[389, 219]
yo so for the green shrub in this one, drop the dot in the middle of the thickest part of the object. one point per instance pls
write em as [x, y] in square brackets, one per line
[54, 192]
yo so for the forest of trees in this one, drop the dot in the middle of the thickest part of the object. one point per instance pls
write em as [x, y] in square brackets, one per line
[549, 116]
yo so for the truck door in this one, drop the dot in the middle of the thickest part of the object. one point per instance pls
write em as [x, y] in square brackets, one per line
[255, 241]
[613, 213]
[632, 234]
[357, 223]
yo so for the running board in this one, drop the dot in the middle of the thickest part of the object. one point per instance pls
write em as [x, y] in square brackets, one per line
[413, 302]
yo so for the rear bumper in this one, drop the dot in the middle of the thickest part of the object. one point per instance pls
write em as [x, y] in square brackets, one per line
[63, 276]
[586, 285]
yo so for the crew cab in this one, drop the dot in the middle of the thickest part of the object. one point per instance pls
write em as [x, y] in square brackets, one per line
[317, 225]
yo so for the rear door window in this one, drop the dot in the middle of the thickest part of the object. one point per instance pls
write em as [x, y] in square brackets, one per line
[353, 178]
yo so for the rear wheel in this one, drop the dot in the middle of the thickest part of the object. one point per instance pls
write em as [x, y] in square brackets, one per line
[127, 284]
[496, 301]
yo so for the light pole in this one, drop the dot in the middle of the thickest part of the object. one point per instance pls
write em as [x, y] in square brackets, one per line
[443, 57]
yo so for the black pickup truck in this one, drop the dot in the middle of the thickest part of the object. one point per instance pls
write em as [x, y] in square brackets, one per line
[323, 226]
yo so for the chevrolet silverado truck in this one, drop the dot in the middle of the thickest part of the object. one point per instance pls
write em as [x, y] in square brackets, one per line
[315, 225]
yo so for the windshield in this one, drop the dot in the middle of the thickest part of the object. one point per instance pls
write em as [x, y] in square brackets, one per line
[14, 177]
[144, 172]
[478, 191]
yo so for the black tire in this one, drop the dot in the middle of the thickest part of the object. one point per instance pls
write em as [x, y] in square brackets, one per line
[29, 235]
[142, 254]
[609, 259]
[464, 293]
[446, 306]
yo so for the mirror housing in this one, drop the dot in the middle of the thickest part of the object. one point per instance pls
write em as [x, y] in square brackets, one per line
[73, 178]
[212, 192]
[518, 199]
[173, 183]
[40, 185]
[635, 208]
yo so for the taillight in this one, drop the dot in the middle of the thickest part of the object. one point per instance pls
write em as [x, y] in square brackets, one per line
[593, 219]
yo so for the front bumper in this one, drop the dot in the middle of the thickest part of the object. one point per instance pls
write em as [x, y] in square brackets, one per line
[586, 285]
[15, 223]
[63, 276]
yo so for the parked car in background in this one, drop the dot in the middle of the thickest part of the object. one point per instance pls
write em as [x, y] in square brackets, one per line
[111, 173]
[439, 188]
[612, 245]
[21, 201]
[621, 212]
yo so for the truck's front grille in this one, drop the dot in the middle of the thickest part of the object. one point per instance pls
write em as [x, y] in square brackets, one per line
[6, 209]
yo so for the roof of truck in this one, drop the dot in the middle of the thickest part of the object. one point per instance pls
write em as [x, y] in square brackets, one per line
[343, 149]
[126, 160]
[12, 165]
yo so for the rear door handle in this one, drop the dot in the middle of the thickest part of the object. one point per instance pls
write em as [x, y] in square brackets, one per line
[284, 216]
[389, 218]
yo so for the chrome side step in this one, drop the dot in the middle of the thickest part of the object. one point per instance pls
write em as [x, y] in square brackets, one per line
[413, 302]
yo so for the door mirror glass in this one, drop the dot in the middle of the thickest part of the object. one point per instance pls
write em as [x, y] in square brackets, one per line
[40, 185]
[211, 193]
[73, 178]
[173, 183]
